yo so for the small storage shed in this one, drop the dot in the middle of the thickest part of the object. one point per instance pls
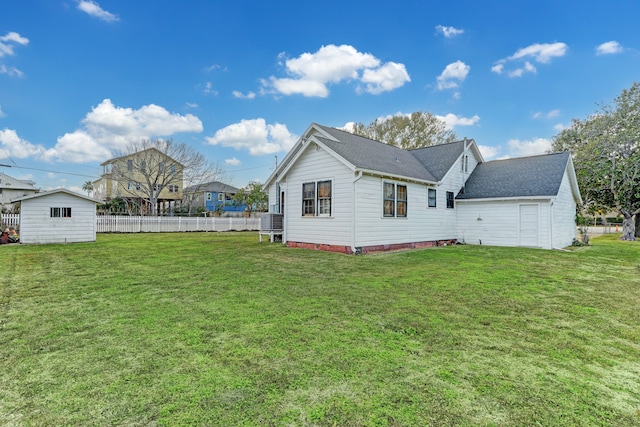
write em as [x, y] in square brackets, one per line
[57, 216]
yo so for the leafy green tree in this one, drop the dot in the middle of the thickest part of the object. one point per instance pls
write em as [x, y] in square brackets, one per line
[415, 130]
[606, 152]
[253, 197]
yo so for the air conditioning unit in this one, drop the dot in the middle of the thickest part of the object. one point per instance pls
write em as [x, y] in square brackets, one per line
[271, 222]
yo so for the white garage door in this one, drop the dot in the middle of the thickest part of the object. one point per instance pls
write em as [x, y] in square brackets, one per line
[529, 224]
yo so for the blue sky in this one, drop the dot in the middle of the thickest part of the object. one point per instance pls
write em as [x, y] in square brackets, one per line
[241, 80]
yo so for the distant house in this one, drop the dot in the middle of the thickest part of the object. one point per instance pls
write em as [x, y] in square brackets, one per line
[125, 177]
[11, 188]
[58, 216]
[342, 192]
[213, 196]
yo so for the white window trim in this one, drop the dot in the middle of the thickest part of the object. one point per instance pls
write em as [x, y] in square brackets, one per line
[316, 203]
[435, 190]
[395, 197]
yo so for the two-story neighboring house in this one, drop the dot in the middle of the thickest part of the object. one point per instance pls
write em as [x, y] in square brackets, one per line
[12, 188]
[341, 192]
[214, 196]
[149, 181]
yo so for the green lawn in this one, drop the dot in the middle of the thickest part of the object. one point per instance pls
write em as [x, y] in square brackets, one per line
[217, 329]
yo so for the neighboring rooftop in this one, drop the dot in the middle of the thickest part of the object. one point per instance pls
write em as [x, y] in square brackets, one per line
[213, 186]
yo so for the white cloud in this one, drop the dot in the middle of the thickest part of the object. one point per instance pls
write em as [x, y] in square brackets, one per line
[310, 73]
[10, 71]
[255, 136]
[78, 147]
[609, 48]
[539, 52]
[452, 75]
[107, 128]
[348, 126]
[240, 95]
[2, 114]
[526, 68]
[7, 43]
[92, 8]
[448, 32]
[548, 115]
[232, 161]
[488, 152]
[498, 68]
[533, 147]
[559, 127]
[11, 145]
[386, 78]
[192, 105]
[209, 90]
[452, 120]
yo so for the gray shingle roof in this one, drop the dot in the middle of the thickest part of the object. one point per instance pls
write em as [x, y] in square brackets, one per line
[438, 159]
[215, 186]
[519, 177]
[428, 164]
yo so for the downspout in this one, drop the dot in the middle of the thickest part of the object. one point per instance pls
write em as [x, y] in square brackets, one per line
[551, 203]
[353, 213]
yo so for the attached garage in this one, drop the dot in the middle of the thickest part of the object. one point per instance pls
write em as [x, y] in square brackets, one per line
[528, 202]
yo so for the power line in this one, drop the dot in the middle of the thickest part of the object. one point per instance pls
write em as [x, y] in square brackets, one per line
[47, 170]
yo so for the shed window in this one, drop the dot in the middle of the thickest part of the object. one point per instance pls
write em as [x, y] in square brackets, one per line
[60, 212]
[432, 197]
[394, 203]
[449, 199]
[316, 198]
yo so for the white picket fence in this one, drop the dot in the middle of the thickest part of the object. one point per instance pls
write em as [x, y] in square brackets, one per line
[159, 224]
[11, 220]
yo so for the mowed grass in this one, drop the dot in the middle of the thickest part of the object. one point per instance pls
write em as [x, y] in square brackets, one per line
[217, 329]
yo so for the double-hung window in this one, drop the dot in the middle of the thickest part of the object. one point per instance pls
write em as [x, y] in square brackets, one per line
[394, 203]
[431, 196]
[316, 198]
[449, 199]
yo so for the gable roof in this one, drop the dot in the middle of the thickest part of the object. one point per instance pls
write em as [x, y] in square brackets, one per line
[518, 177]
[137, 153]
[438, 159]
[56, 191]
[374, 156]
[213, 186]
[427, 164]
[12, 183]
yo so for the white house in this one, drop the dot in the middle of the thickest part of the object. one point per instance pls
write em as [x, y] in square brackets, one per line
[345, 193]
[58, 216]
[10, 188]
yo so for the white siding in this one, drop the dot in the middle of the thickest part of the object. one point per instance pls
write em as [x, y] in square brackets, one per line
[318, 165]
[564, 215]
[273, 197]
[37, 226]
[497, 223]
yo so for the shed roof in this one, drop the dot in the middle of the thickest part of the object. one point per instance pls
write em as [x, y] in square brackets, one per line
[519, 177]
